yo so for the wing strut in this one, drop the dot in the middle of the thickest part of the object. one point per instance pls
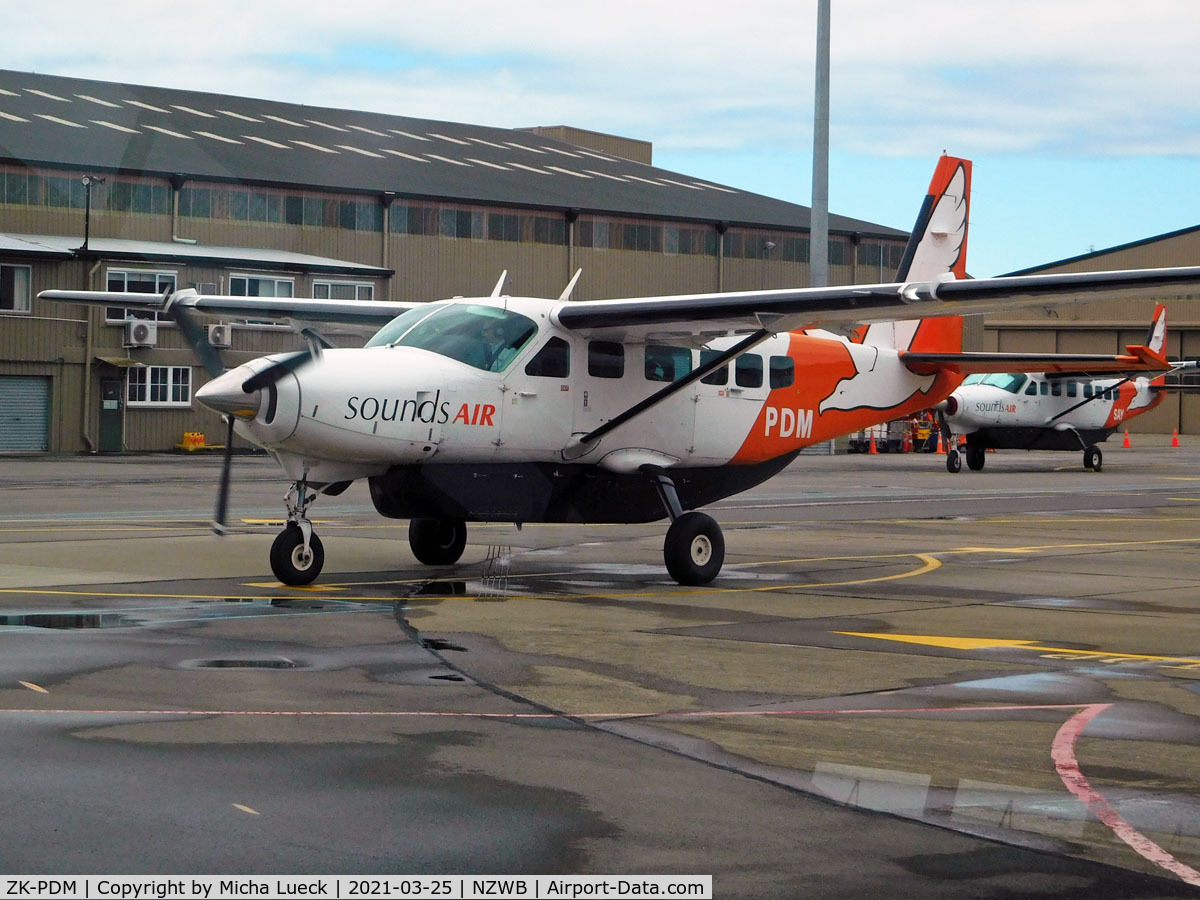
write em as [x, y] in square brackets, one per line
[674, 387]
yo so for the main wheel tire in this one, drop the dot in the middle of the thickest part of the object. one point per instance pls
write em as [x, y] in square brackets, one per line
[437, 542]
[1092, 458]
[953, 462]
[288, 560]
[694, 549]
[976, 457]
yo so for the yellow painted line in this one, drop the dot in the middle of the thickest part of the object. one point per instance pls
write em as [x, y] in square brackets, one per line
[145, 596]
[33, 687]
[309, 588]
[1033, 548]
[247, 809]
[929, 564]
[1181, 478]
[969, 643]
[141, 529]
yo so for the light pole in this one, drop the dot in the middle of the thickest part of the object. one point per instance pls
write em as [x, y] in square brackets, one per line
[88, 181]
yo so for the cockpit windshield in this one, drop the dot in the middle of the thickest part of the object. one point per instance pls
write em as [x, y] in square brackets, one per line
[1006, 381]
[485, 337]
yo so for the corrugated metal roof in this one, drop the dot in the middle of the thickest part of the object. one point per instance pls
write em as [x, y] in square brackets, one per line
[64, 246]
[48, 120]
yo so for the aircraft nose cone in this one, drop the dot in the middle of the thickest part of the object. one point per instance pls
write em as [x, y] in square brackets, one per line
[224, 395]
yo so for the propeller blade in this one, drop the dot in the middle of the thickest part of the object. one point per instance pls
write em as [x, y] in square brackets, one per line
[196, 337]
[218, 524]
[277, 370]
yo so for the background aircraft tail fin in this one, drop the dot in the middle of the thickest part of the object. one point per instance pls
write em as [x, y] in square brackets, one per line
[1156, 337]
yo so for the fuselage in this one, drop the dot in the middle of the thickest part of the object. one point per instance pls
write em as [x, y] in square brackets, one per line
[1032, 411]
[428, 413]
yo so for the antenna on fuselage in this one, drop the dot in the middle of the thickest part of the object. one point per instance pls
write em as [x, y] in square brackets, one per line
[566, 294]
[500, 284]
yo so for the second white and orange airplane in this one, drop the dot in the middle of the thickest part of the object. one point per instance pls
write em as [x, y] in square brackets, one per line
[523, 409]
[1050, 410]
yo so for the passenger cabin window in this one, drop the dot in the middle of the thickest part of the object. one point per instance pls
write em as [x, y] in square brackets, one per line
[667, 363]
[1056, 389]
[1072, 389]
[606, 359]
[552, 361]
[781, 372]
[1044, 388]
[717, 376]
[748, 370]
[1087, 390]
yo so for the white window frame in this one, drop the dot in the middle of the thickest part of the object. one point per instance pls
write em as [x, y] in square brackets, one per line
[162, 278]
[22, 293]
[323, 289]
[274, 281]
[159, 386]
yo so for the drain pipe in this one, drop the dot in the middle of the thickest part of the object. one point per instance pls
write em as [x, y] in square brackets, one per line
[85, 409]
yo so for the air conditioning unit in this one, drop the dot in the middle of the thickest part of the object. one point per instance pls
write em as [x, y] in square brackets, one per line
[220, 336]
[140, 333]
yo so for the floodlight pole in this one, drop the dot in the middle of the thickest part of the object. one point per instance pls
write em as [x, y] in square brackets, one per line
[88, 181]
[818, 265]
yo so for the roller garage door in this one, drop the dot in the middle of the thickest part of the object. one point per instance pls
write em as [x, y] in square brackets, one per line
[24, 412]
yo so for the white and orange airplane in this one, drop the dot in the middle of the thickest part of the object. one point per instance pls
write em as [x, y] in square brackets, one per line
[521, 409]
[1051, 410]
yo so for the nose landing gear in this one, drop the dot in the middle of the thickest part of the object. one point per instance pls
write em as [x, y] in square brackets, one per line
[297, 554]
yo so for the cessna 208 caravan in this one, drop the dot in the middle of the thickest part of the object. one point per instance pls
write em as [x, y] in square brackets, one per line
[1049, 410]
[519, 409]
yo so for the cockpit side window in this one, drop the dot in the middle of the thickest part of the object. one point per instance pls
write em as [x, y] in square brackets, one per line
[1006, 381]
[1031, 389]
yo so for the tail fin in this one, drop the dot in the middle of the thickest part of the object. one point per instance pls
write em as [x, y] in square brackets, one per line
[939, 239]
[938, 245]
[1156, 337]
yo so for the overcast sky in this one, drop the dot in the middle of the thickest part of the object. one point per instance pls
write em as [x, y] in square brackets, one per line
[1083, 118]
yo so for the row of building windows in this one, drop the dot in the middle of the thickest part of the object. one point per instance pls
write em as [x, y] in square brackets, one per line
[144, 281]
[241, 205]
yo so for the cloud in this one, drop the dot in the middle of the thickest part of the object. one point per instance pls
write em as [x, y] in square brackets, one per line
[998, 76]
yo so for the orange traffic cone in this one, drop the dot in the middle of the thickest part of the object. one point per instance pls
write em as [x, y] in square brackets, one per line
[1126, 443]
[872, 448]
[940, 447]
[1175, 437]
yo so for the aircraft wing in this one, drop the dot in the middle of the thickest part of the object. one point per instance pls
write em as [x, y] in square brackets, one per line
[366, 312]
[699, 315]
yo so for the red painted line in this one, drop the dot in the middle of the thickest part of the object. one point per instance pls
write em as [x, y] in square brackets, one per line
[1062, 750]
[703, 714]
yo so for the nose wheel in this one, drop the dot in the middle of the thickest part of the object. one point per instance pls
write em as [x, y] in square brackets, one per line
[294, 561]
[297, 554]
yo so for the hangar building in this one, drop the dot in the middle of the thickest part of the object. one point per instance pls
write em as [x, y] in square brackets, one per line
[123, 187]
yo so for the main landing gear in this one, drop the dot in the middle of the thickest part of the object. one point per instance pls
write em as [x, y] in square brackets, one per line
[694, 548]
[1092, 458]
